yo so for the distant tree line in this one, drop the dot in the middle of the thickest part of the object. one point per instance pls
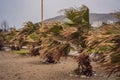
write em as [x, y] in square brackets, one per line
[4, 26]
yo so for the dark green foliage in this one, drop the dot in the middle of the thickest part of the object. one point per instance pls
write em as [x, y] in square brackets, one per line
[29, 28]
[105, 48]
[115, 58]
[79, 16]
[2, 35]
[34, 36]
[43, 34]
[75, 35]
[56, 29]
[11, 35]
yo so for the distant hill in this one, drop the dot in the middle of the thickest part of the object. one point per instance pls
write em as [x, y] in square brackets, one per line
[94, 17]
[57, 18]
[102, 17]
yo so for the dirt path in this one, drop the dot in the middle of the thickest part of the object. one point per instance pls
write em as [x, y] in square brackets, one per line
[16, 67]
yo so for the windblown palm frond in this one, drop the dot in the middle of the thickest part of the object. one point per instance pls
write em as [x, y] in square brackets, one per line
[106, 41]
[56, 51]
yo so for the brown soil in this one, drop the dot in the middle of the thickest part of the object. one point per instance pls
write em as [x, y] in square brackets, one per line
[18, 67]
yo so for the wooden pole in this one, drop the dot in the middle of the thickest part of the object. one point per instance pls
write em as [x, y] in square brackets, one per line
[42, 13]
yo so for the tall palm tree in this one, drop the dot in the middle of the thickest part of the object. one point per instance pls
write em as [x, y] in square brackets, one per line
[55, 51]
[79, 18]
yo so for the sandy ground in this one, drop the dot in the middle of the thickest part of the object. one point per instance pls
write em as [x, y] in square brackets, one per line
[17, 67]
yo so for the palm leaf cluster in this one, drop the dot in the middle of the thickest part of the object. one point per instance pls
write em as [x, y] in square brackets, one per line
[78, 16]
[25, 35]
[106, 40]
[56, 51]
[79, 19]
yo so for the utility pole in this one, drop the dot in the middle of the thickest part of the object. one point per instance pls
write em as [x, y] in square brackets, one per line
[42, 13]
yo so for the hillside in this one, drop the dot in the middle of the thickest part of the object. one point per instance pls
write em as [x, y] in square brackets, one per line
[93, 17]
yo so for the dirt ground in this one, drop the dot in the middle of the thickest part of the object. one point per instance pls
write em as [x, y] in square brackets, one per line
[18, 67]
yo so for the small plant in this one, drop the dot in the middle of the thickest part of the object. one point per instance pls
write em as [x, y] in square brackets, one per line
[22, 52]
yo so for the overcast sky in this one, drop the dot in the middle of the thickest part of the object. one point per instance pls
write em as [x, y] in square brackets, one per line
[16, 12]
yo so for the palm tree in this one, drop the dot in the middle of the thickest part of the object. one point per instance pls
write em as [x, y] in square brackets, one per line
[79, 18]
[55, 51]
[27, 32]
[105, 41]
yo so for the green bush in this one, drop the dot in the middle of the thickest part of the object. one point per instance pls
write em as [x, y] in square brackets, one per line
[21, 52]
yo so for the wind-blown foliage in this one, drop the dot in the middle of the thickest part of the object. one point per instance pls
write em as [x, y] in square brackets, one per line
[75, 35]
[25, 35]
[56, 52]
[29, 28]
[56, 39]
[106, 41]
[79, 18]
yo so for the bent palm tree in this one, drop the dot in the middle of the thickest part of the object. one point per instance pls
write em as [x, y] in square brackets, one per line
[79, 18]
[54, 53]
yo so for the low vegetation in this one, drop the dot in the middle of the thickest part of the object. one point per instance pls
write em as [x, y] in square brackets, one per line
[21, 52]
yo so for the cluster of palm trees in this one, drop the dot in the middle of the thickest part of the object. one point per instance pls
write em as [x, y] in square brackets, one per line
[57, 40]
[23, 36]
